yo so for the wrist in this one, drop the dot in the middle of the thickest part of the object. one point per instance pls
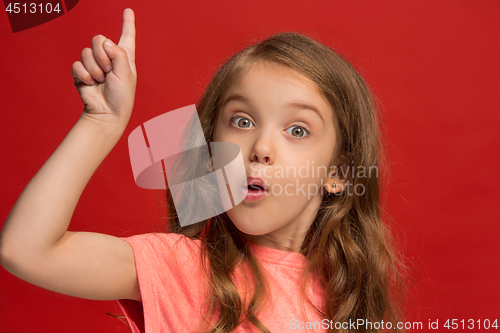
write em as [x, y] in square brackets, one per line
[109, 126]
[101, 135]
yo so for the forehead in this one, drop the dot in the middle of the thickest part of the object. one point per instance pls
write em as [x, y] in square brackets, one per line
[265, 84]
[260, 72]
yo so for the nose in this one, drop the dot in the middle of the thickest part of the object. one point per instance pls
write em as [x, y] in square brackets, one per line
[263, 150]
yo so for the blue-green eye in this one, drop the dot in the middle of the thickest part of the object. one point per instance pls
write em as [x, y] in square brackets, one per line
[297, 131]
[242, 122]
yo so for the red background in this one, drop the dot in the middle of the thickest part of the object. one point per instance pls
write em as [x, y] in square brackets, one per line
[433, 65]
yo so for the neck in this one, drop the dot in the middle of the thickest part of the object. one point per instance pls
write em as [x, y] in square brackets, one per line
[291, 236]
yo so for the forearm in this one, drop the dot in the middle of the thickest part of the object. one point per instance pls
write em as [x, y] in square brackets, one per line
[43, 212]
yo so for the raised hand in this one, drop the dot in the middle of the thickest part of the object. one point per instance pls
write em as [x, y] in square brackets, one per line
[106, 77]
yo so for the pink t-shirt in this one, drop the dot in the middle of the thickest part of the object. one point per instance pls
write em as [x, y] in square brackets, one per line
[174, 287]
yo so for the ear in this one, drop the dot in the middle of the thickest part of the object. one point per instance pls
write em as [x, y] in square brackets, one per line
[334, 184]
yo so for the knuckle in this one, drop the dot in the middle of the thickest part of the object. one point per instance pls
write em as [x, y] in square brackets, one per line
[85, 52]
[87, 77]
[103, 59]
[129, 34]
[76, 67]
[97, 38]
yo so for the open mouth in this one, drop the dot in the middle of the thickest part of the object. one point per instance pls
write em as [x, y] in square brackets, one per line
[254, 187]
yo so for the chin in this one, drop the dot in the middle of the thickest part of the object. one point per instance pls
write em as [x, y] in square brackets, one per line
[250, 225]
[250, 229]
[257, 220]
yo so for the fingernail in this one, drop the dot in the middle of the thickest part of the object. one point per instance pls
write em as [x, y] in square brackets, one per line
[109, 43]
[102, 79]
[107, 68]
[92, 82]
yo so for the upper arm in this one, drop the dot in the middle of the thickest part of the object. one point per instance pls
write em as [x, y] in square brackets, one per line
[84, 264]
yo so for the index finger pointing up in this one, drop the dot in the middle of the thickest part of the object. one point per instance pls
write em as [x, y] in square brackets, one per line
[127, 39]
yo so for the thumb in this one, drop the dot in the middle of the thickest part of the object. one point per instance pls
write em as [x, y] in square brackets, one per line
[119, 59]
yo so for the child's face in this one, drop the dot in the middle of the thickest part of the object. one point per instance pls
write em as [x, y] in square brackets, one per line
[277, 148]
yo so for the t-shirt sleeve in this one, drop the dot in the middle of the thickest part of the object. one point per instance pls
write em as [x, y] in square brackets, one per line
[171, 282]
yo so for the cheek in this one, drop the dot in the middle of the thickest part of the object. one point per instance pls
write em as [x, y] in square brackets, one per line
[309, 166]
[302, 176]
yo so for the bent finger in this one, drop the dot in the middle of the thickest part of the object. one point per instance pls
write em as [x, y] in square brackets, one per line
[81, 75]
[119, 59]
[100, 55]
[91, 65]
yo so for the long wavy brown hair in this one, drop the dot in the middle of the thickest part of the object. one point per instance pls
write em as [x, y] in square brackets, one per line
[348, 246]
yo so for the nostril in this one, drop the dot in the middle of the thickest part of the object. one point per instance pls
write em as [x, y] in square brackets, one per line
[256, 159]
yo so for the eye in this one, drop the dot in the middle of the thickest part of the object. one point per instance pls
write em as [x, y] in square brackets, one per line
[241, 122]
[297, 131]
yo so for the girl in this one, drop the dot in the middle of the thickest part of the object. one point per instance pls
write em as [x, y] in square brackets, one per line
[306, 249]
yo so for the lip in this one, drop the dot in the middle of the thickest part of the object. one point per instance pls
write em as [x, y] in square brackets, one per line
[256, 181]
[252, 195]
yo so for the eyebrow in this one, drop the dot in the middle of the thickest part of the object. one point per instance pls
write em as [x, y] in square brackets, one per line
[295, 104]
